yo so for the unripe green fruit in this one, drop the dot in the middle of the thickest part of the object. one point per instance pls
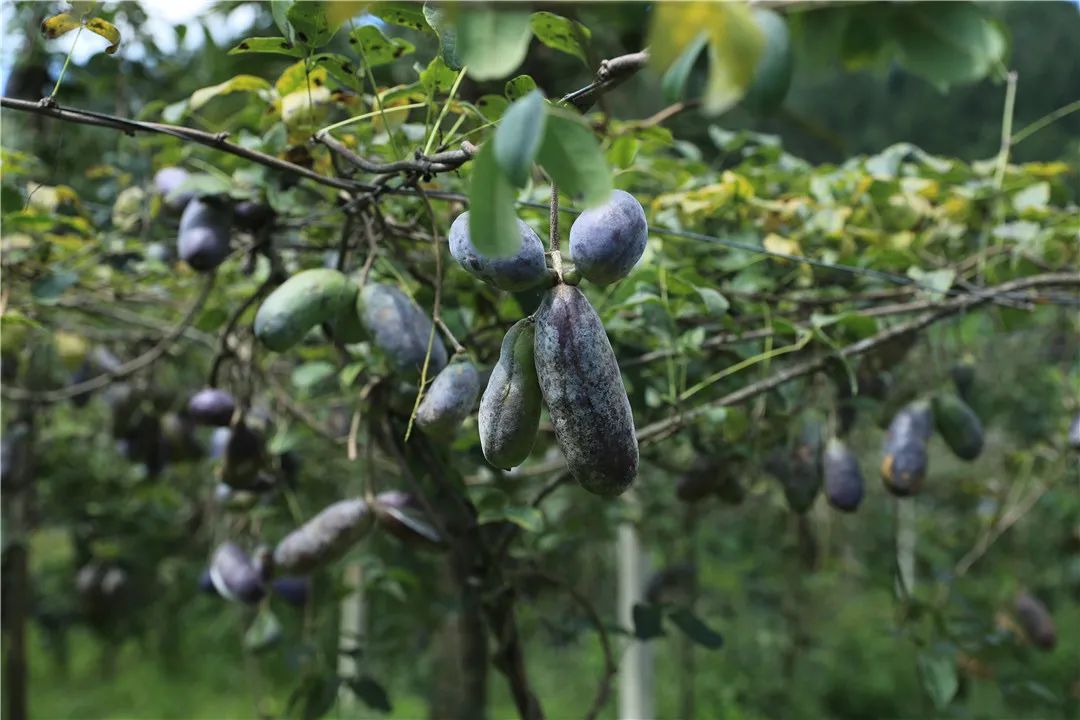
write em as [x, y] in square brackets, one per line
[450, 399]
[510, 408]
[522, 270]
[307, 299]
[324, 538]
[581, 384]
[607, 241]
[959, 426]
[400, 328]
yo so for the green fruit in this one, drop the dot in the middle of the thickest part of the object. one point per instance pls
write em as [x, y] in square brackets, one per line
[904, 459]
[581, 384]
[959, 426]
[523, 269]
[307, 299]
[510, 408]
[324, 538]
[607, 241]
[802, 481]
[245, 456]
[843, 478]
[400, 328]
[772, 77]
[450, 399]
[963, 376]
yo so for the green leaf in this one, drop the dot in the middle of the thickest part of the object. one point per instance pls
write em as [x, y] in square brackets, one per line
[937, 281]
[240, 83]
[948, 43]
[284, 440]
[371, 692]
[623, 151]
[673, 84]
[350, 372]
[492, 220]
[312, 373]
[648, 621]
[715, 303]
[444, 28]
[492, 107]
[437, 77]
[309, 21]
[572, 157]
[696, 629]
[340, 11]
[270, 45]
[518, 87]
[264, 632]
[492, 42]
[52, 285]
[527, 518]
[279, 9]
[315, 696]
[560, 33]
[202, 185]
[404, 14]
[340, 68]
[517, 138]
[937, 674]
[107, 30]
[375, 48]
[735, 42]
[212, 319]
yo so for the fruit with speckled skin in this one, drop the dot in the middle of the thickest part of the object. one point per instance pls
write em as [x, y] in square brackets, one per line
[324, 538]
[510, 407]
[522, 270]
[1035, 620]
[607, 241]
[904, 459]
[212, 406]
[959, 426]
[843, 478]
[203, 238]
[234, 575]
[450, 399]
[400, 328]
[581, 384]
[307, 299]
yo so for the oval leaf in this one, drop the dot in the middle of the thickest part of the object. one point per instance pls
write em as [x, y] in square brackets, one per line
[240, 83]
[518, 136]
[572, 157]
[696, 629]
[57, 25]
[270, 45]
[107, 30]
[492, 43]
[492, 221]
[560, 33]
[377, 49]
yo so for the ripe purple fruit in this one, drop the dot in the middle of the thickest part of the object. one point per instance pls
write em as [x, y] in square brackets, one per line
[607, 241]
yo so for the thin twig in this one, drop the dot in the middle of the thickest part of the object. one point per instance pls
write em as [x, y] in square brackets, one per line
[143, 361]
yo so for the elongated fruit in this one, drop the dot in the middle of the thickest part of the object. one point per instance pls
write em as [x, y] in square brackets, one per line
[904, 460]
[581, 384]
[959, 426]
[203, 239]
[802, 481]
[450, 398]
[324, 538]
[522, 270]
[400, 328]
[510, 407]
[843, 478]
[607, 241]
[307, 299]
[234, 575]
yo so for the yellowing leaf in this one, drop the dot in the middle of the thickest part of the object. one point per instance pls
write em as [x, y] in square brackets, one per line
[777, 244]
[240, 83]
[735, 45]
[107, 30]
[295, 77]
[301, 107]
[342, 10]
[57, 25]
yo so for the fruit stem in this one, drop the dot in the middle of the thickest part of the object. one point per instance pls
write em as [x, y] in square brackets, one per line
[553, 224]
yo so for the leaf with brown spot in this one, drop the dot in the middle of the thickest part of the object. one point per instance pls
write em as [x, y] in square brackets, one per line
[57, 25]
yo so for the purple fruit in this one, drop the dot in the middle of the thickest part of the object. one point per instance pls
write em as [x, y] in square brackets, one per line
[607, 241]
[524, 269]
[904, 460]
[234, 575]
[400, 329]
[1036, 621]
[843, 478]
[449, 399]
[166, 180]
[293, 590]
[211, 406]
[324, 538]
[250, 215]
[203, 238]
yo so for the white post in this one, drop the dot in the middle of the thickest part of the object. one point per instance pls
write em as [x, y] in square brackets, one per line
[352, 624]
[636, 669]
